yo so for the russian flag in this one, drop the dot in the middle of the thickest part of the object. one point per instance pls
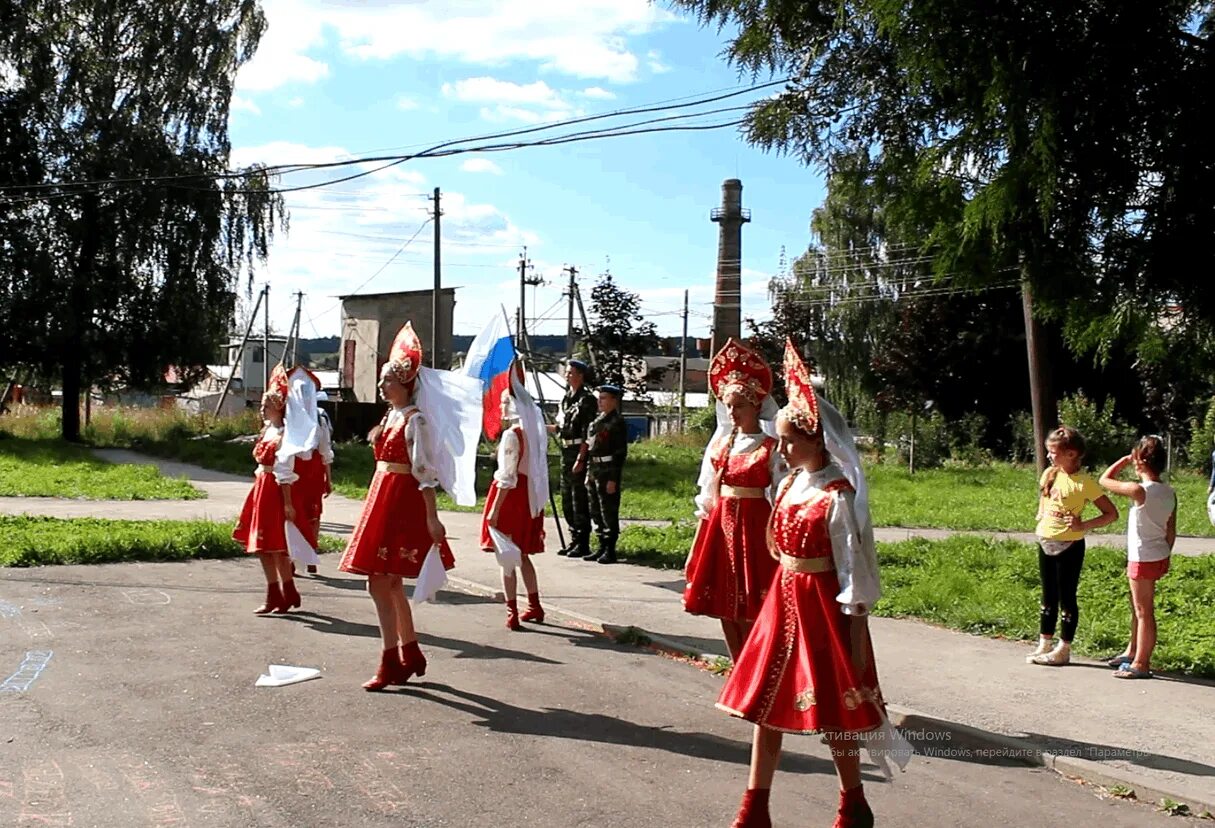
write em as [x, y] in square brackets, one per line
[489, 359]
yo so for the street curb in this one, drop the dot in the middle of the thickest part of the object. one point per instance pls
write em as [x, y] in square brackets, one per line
[901, 717]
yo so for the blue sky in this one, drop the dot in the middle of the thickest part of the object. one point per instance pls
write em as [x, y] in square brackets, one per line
[335, 79]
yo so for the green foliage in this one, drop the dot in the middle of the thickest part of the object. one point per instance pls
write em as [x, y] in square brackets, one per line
[1202, 440]
[1021, 445]
[1106, 437]
[703, 421]
[619, 335]
[31, 467]
[987, 587]
[44, 541]
[112, 283]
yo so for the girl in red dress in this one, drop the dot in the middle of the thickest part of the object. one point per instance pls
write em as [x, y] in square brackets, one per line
[305, 448]
[399, 526]
[269, 505]
[729, 569]
[808, 665]
[515, 505]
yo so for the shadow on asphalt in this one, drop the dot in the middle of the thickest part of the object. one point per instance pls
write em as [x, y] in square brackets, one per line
[470, 649]
[502, 717]
[676, 586]
[1105, 753]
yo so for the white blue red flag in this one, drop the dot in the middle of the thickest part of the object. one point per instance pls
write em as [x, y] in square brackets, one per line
[489, 359]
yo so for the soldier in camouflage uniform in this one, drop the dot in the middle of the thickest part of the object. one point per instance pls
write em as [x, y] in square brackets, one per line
[607, 448]
[574, 416]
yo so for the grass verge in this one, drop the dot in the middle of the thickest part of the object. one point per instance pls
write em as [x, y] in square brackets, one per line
[986, 587]
[34, 467]
[44, 541]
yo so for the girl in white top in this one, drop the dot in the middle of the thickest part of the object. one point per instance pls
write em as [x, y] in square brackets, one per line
[1151, 531]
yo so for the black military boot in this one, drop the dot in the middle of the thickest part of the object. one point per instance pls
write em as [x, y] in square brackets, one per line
[594, 556]
[607, 553]
[581, 546]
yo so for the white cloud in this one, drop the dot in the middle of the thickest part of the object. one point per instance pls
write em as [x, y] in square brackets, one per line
[296, 102]
[481, 165]
[587, 39]
[406, 104]
[655, 63]
[527, 116]
[483, 90]
[240, 104]
[598, 93]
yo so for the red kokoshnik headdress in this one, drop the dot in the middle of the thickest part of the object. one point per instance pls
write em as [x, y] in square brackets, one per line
[405, 356]
[802, 409]
[737, 368]
[276, 391]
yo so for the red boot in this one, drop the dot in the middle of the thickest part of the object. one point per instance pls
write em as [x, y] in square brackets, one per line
[535, 612]
[412, 662]
[512, 616]
[389, 671]
[854, 810]
[274, 600]
[753, 813]
[291, 597]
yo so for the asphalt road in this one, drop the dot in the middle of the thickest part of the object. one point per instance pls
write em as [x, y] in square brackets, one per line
[127, 698]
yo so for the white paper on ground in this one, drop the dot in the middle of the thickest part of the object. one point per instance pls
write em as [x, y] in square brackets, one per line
[431, 579]
[299, 548]
[282, 674]
[508, 552]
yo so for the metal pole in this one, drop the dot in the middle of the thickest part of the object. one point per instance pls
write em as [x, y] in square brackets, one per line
[585, 327]
[434, 305]
[266, 342]
[522, 293]
[239, 352]
[683, 362]
[569, 325]
[294, 336]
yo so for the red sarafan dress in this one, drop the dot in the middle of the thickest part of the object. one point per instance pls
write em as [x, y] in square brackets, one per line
[796, 672]
[730, 570]
[262, 523]
[515, 520]
[391, 536]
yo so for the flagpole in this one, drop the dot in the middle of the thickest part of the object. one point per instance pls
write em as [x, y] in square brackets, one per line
[552, 499]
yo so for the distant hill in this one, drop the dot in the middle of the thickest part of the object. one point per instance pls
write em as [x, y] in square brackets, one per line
[325, 345]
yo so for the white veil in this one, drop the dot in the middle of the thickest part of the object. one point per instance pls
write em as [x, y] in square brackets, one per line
[451, 404]
[837, 437]
[300, 432]
[535, 462]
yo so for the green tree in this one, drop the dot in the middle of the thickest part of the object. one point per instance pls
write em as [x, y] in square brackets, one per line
[619, 335]
[142, 234]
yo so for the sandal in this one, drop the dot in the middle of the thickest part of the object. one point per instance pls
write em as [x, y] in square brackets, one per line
[1128, 671]
[1118, 660]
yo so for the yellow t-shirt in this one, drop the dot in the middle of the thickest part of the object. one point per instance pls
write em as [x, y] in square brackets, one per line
[1069, 495]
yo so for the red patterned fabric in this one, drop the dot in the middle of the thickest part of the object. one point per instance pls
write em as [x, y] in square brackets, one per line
[515, 519]
[796, 672]
[262, 523]
[730, 570]
[307, 496]
[391, 536]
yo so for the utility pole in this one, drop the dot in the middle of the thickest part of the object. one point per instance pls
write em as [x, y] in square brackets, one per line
[1039, 378]
[525, 268]
[266, 341]
[569, 325]
[294, 336]
[434, 304]
[240, 351]
[683, 361]
[586, 327]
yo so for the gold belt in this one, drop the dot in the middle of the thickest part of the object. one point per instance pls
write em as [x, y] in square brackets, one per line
[393, 468]
[807, 566]
[264, 469]
[741, 491]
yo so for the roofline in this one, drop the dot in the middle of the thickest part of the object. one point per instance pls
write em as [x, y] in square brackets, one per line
[450, 290]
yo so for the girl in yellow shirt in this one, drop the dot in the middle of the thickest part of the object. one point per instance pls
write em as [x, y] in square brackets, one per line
[1064, 492]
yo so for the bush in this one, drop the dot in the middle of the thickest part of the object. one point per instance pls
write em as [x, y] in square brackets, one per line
[1106, 436]
[931, 439]
[1202, 440]
[702, 421]
[966, 440]
[1021, 431]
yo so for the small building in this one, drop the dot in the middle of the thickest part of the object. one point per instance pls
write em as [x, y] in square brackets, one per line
[249, 377]
[370, 321]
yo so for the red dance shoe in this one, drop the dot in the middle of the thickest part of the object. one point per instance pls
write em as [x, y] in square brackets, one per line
[535, 612]
[389, 671]
[753, 813]
[274, 600]
[291, 597]
[854, 810]
[412, 662]
[512, 616]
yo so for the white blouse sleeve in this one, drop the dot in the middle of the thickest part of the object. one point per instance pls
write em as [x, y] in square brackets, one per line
[777, 470]
[507, 475]
[857, 570]
[423, 469]
[325, 443]
[706, 499]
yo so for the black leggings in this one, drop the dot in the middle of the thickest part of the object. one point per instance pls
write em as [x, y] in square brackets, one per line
[1060, 580]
